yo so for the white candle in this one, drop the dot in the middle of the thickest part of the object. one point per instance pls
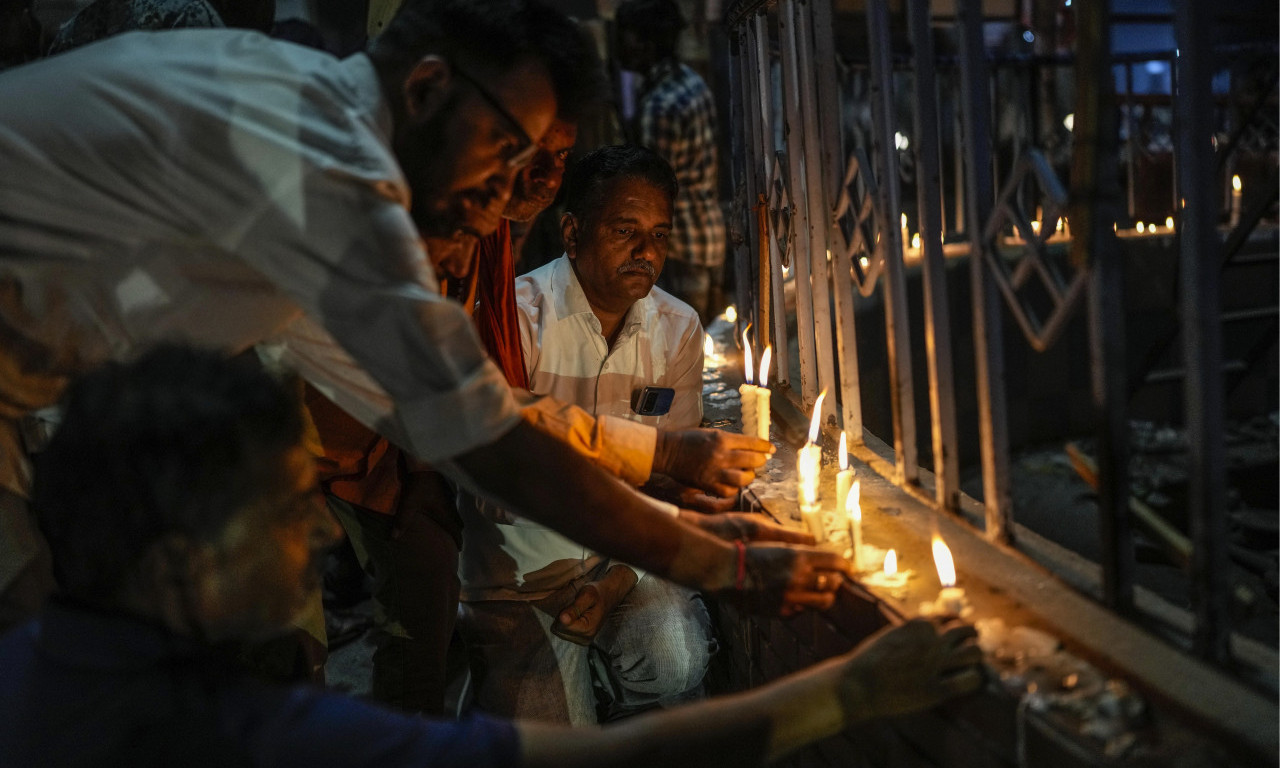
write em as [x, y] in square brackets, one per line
[844, 478]
[951, 599]
[1237, 192]
[808, 467]
[853, 505]
[763, 394]
[748, 391]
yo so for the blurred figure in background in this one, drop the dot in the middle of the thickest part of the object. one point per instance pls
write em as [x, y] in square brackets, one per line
[104, 18]
[676, 118]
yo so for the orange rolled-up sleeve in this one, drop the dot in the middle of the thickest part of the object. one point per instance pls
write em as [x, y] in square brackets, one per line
[620, 447]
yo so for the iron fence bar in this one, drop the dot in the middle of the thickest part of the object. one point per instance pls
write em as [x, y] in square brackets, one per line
[1202, 334]
[988, 338]
[753, 126]
[799, 215]
[957, 154]
[841, 259]
[746, 175]
[1130, 141]
[1095, 197]
[815, 190]
[937, 317]
[897, 328]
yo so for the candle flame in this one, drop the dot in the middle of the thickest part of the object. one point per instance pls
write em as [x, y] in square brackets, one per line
[816, 419]
[1235, 183]
[853, 502]
[891, 563]
[746, 353]
[808, 467]
[708, 345]
[731, 313]
[1058, 227]
[915, 241]
[1035, 227]
[844, 451]
[765, 359]
[904, 217]
[1141, 227]
[1168, 222]
[942, 559]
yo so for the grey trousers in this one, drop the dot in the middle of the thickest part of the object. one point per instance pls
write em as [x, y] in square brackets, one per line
[652, 651]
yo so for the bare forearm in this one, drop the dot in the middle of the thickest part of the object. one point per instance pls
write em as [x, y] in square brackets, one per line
[546, 481]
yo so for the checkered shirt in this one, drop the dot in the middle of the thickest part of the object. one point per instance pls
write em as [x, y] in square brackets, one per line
[677, 120]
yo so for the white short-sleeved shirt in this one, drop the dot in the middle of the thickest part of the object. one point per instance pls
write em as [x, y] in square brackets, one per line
[217, 186]
[507, 557]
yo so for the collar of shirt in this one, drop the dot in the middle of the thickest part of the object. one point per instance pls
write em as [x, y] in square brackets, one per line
[570, 300]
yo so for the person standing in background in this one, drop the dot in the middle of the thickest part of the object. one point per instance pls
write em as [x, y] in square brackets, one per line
[676, 118]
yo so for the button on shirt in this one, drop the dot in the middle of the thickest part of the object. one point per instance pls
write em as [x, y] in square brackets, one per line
[213, 186]
[506, 557]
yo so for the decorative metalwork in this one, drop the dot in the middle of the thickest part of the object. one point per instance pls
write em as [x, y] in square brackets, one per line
[1064, 294]
[779, 201]
[853, 224]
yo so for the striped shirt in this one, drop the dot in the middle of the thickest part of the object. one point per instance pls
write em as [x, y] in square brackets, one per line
[505, 557]
[677, 120]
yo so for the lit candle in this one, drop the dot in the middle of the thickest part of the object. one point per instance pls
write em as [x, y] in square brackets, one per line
[951, 599]
[915, 242]
[808, 467]
[1168, 223]
[905, 232]
[853, 506]
[891, 564]
[1141, 228]
[844, 478]
[1237, 192]
[762, 396]
[748, 391]
[731, 314]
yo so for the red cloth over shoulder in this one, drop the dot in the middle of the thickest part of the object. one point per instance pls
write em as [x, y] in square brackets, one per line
[496, 315]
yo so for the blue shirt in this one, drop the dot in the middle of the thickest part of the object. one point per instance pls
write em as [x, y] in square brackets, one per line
[84, 689]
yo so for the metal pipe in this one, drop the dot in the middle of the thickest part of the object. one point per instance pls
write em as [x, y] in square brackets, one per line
[937, 317]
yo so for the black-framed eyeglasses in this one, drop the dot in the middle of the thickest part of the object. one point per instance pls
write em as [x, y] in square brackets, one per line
[528, 147]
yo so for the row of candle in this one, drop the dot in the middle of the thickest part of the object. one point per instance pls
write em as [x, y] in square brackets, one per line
[756, 421]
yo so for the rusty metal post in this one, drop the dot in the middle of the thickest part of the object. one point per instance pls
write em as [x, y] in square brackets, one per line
[897, 327]
[1202, 332]
[988, 339]
[841, 263]
[806, 288]
[747, 282]
[937, 318]
[1095, 203]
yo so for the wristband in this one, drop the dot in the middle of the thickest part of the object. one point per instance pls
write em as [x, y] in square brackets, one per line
[740, 581]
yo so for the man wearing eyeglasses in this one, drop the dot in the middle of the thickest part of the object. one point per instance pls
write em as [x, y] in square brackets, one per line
[218, 187]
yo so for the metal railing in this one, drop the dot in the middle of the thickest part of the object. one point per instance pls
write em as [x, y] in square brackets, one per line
[823, 210]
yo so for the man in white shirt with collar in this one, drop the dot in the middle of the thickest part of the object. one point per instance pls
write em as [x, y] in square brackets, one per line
[596, 332]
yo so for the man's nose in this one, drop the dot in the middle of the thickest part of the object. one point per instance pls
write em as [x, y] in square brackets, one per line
[649, 247]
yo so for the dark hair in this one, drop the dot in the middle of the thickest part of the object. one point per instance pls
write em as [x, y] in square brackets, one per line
[176, 442]
[502, 33]
[583, 181]
[658, 22]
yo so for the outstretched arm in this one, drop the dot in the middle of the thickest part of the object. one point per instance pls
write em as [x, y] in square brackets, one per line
[897, 671]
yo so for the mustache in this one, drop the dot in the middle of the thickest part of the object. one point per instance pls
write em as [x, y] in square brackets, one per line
[638, 265]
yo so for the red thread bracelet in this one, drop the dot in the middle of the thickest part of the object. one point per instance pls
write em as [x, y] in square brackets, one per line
[741, 579]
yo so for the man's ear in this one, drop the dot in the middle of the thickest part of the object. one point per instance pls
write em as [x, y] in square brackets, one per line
[569, 233]
[426, 86]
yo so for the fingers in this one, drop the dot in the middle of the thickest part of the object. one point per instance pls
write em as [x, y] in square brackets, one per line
[822, 560]
[766, 531]
[732, 441]
[585, 600]
[964, 681]
[745, 459]
[733, 479]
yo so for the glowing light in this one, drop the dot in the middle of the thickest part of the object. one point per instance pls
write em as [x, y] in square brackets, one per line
[900, 141]
[1141, 227]
[844, 451]
[1029, 36]
[891, 563]
[765, 359]
[946, 566]
[915, 241]
[1035, 227]
[904, 221]
[746, 354]
[708, 345]
[731, 313]
[853, 502]
[1168, 223]
[816, 419]
[1235, 183]
[864, 262]
[1069, 122]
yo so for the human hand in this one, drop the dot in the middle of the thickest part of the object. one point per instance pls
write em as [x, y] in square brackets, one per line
[909, 668]
[786, 579]
[749, 526]
[687, 497]
[715, 461]
[581, 620]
